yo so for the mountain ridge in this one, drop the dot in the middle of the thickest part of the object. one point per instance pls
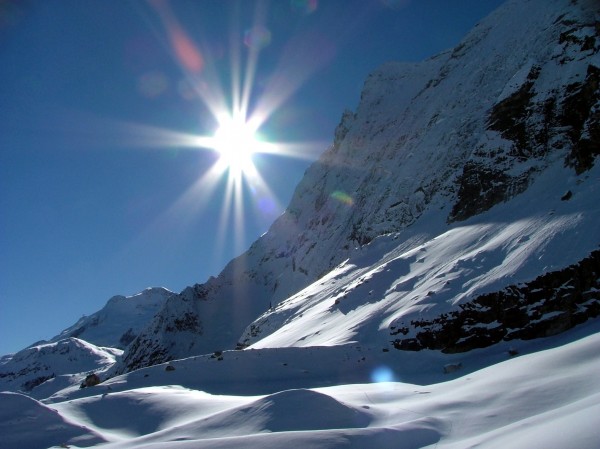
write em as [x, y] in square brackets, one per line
[120, 320]
[435, 159]
[435, 280]
[92, 344]
[42, 369]
[418, 141]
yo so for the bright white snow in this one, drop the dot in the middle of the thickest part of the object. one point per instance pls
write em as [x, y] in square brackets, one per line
[320, 370]
[120, 320]
[541, 399]
[438, 266]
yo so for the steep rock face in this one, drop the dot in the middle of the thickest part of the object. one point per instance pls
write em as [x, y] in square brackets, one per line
[468, 129]
[413, 285]
[204, 318]
[551, 104]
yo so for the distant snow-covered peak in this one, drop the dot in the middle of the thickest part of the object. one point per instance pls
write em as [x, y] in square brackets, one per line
[120, 320]
[58, 363]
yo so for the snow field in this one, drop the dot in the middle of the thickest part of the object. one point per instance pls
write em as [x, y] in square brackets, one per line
[545, 399]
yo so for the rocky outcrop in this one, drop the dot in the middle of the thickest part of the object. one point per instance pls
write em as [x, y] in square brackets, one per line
[481, 186]
[536, 119]
[581, 112]
[174, 332]
[550, 304]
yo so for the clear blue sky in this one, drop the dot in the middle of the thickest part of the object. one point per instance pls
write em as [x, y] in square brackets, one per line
[99, 197]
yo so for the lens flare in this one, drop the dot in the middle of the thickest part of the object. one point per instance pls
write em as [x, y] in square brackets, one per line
[183, 48]
[304, 6]
[257, 37]
[343, 197]
[234, 119]
[153, 84]
[382, 374]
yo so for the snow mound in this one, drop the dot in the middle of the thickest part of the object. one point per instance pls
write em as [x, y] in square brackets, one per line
[292, 410]
[20, 415]
[546, 398]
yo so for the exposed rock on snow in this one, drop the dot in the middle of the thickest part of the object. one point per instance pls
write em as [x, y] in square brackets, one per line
[550, 304]
[548, 109]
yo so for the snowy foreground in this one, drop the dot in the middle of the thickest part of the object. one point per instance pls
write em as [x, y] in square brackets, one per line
[540, 398]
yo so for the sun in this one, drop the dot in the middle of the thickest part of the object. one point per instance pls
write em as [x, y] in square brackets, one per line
[235, 141]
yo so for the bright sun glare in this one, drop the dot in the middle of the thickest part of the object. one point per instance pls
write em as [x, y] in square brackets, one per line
[235, 141]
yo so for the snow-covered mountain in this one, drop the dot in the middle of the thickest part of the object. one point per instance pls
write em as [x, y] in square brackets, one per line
[92, 344]
[461, 286]
[432, 147]
[433, 282]
[42, 369]
[120, 320]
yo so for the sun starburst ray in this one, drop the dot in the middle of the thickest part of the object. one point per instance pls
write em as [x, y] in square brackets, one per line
[251, 63]
[229, 206]
[237, 116]
[307, 151]
[302, 58]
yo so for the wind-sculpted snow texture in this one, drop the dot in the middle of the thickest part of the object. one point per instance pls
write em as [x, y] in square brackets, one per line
[431, 143]
[388, 291]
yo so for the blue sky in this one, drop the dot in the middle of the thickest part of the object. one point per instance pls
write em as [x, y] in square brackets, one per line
[98, 194]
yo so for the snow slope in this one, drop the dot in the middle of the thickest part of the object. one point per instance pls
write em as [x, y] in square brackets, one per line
[26, 423]
[435, 281]
[385, 286]
[543, 398]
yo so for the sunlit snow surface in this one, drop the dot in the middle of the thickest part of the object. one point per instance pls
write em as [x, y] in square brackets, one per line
[430, 268]
[320, 370]
[326, 376]
[546, 399]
